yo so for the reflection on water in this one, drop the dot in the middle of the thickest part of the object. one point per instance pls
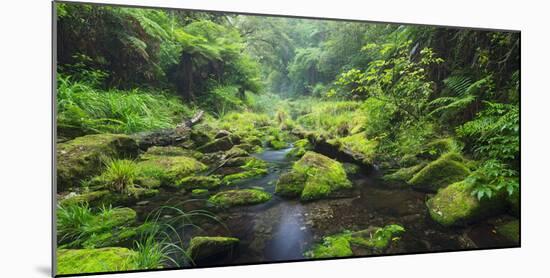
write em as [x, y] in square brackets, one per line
[289, 235]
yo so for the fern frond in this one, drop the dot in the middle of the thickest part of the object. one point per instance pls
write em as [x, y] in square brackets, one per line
[458, 103]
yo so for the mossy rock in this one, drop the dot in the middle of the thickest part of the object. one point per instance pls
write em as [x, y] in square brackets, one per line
[133, 196]
[320, 175]
[250, 148]
[253, 140]
[220, 144]
[78, 261]
[334, 246]
[509, 230]
[199, 182]
[351, 168]
[374, 240]
[447, 169]
[300, 147]
[277, 144]
[169, 169]
[249, 167]
[362, 150]
[236, 152]
[83, 157]
[199, 137]
[199, 193]
[456, 206]
[290, 184]
[239, 197]
[203, 247]
[403, 174]
[92, 197]
[164, 151]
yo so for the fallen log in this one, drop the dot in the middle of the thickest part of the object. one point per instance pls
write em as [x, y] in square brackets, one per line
[168, 136]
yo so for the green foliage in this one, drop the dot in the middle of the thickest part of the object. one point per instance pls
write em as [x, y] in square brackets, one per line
[396, 79]
[119, 175]
[84, 110]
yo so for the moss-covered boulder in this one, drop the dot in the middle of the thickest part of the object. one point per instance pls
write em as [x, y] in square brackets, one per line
[290, 184]
[300, 147]
[357, 146]
[239, 197]
[351, 168]
[199, 193]
[220, 144]
[509, 230]
[199, 182]
[236, 152]
[314, 176]
[455, 205]
[108, 198]
[372, 240]
[77, 261]
[248, 167]
[403, 174]
[133, 196]
[83, 157]
[93, 198]
[447, 169]
[203, 247]
[169, 169]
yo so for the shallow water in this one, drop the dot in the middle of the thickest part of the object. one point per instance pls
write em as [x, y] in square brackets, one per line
[283, 229]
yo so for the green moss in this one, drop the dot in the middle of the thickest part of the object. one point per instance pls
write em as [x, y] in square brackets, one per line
[300, 147]
[438, 147]
[277, 144]
[252, 167]
[321, 175]
[350, 168]
[169, 169]
[437, 174]
[93, 197]
[236, 152]
[199, 182]
[239, 197]
[202, 247]
[197, 193]
[509, 230]
[221, 144]
[83, 157]
[164, 151]
[377, 238]
[357, 144]
[455, 205]
[332, 247]
[77, 261]
[290, 184]
[130, 198]
[340, 245]
[403, 174]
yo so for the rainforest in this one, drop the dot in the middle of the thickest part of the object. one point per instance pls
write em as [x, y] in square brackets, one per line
[191, 138]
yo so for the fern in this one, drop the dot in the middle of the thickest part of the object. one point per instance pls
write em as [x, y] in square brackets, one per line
[458, 84]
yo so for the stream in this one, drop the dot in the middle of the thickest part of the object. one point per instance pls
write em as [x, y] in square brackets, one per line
[283, 229]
